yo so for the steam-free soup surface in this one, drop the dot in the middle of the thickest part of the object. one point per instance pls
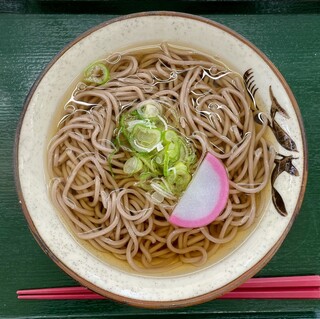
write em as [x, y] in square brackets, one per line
[114, 179]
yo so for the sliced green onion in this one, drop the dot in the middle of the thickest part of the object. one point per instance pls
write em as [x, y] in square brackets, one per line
[169, 136]
[166, 166]
[149, 109]
[173, 151]
[133, 123]
[181, 167]
[187, 153]
[96, 73]
[150, 164]
[163, 121]
[132, 165]
[178, 178]
[144, 139]
[159, 158]
[145, 176]
[160, 188]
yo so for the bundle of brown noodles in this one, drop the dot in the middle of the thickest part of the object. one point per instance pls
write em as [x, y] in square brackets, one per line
[202, 99]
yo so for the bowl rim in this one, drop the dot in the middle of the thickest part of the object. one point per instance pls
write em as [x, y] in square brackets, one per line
[182, 302]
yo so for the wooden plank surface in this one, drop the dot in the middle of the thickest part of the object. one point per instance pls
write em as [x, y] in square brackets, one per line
[190, 6]
[28, 43]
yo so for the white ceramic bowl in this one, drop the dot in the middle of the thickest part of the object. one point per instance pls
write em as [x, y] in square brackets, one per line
[245, 256]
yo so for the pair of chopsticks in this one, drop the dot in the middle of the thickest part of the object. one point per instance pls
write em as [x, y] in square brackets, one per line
[293, 287]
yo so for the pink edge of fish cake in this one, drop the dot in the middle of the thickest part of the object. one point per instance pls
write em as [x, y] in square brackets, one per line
[219, 172]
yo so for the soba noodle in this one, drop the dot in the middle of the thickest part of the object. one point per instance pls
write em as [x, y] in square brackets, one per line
[207, 103]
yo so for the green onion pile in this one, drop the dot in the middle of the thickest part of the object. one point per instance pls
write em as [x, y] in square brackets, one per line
[161, 158]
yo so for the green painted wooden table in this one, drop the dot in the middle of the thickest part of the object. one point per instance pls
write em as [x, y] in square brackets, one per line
[28, 42]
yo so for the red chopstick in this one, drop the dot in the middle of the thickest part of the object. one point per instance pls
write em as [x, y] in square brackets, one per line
[289, 293]
[248, 294]
[283, 282]
[55, 291]
[61, 296]
[293, 287]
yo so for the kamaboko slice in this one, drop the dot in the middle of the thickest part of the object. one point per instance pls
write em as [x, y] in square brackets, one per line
[205, 197]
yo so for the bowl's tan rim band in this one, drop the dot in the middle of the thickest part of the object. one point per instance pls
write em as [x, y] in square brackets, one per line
[177, 303]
